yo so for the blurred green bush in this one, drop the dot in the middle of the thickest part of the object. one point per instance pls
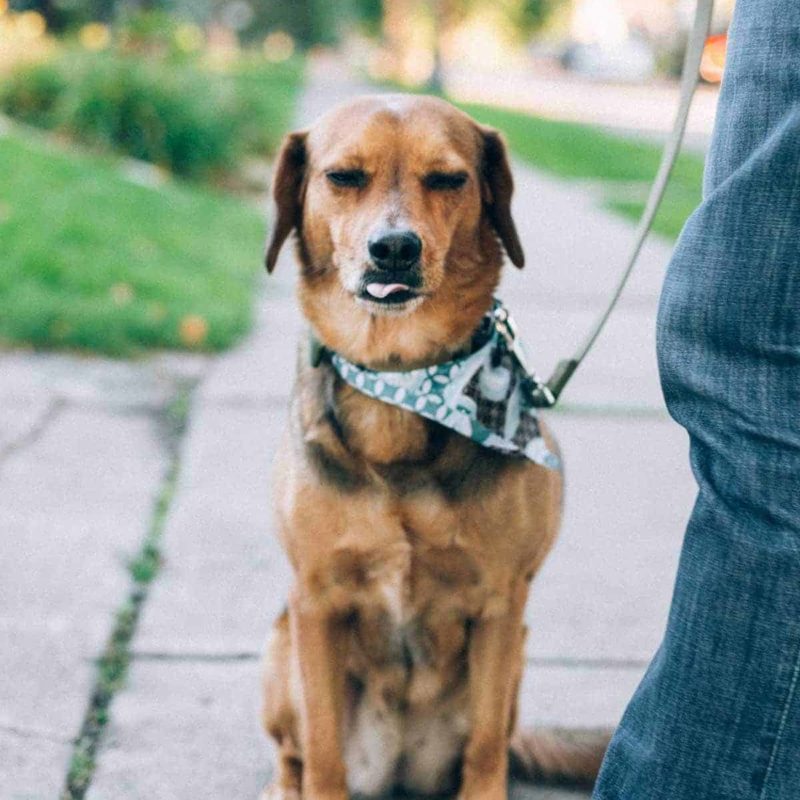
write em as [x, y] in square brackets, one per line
[32, 94]
[194, 121]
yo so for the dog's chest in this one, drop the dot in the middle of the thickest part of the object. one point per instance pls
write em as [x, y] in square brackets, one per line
[411, 560]
[411, 613]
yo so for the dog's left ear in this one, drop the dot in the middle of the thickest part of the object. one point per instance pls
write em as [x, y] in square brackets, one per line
[496, 190]
[287, 189]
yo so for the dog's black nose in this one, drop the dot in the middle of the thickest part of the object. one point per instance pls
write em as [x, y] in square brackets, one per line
[395, 249]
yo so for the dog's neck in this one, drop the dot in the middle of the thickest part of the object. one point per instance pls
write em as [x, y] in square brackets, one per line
[347, 432]
[380, 433]
[354, 431]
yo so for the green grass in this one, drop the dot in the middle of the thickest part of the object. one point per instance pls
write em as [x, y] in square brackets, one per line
[92, 261]
[574, 151]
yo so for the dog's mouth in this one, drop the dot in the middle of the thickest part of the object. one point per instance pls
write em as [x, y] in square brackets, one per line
[389, 291]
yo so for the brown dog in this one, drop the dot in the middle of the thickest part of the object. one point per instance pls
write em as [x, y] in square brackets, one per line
[398, 660]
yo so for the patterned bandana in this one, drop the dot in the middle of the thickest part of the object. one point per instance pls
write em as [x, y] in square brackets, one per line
[487, 395]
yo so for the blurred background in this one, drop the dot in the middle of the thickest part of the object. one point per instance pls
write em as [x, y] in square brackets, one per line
[200, 92]
[146, 360]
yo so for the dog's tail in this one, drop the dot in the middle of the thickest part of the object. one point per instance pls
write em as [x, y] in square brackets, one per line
[558, 756]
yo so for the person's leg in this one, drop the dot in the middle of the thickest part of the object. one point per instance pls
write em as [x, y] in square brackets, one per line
[718, 713]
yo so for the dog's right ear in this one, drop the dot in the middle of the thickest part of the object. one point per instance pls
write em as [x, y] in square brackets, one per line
[287, 189]
[498, 186]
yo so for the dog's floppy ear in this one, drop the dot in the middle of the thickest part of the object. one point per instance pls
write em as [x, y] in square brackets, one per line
[496, 190]
[287, 186]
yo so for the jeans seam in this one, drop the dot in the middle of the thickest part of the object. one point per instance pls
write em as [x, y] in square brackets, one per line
[781, 725]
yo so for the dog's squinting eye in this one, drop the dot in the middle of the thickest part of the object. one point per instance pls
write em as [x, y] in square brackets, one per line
[355, 178]
[443, 181]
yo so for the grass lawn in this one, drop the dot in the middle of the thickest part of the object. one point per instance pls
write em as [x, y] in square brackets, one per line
[90, 260]
[575, 151]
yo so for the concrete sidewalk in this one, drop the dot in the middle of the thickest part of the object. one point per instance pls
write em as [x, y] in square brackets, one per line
[186, 724]
[83, 455]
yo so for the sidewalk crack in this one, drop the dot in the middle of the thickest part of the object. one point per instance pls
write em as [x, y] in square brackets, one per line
[27, 732]
[112, 666]
[34, 433]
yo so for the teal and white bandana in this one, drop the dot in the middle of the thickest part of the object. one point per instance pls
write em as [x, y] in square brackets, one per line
[486, 395]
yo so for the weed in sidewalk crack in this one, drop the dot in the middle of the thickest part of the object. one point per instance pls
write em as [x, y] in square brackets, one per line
[112, 666]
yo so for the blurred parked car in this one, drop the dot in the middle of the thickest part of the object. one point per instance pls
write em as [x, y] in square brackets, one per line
[632, 60]
[713, 64]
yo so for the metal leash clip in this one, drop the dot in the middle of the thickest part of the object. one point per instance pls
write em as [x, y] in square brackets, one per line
[538, 391]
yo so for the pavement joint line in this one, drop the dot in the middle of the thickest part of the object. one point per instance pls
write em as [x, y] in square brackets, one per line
[118, 407]
[245, 402]
[25, 732]
[253, 655]
[64, 403]
[113, 663]
[610, 410]
[587, 663]
[572, 409]
[34, 433]
[133, 409]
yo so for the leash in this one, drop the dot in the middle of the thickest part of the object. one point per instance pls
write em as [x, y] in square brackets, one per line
[546, 394]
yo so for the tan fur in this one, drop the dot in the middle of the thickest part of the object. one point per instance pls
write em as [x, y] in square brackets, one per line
[398, 660]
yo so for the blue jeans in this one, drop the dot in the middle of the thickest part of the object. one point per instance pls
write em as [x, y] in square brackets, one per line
[717, 716]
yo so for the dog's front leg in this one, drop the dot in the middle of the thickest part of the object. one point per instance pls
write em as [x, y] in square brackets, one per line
[495, 653]
[318, 638]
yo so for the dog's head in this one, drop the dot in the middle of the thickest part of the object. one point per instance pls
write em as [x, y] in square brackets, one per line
[400, 205]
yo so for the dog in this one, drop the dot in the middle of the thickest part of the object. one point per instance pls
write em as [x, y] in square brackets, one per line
[397, 663]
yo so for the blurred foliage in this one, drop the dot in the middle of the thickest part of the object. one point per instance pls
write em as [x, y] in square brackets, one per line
[531, 15]
[32, 94]
[266, 100]
[309, 22]
[192, 121]
[174, 118]
[151, 33]
[94, 261]
[368, 15]
[524, 16]
[63, 15]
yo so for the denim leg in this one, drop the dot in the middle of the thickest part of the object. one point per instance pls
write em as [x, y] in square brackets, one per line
[717, 716]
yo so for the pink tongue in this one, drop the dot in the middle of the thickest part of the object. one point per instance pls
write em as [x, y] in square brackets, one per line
[382, 290]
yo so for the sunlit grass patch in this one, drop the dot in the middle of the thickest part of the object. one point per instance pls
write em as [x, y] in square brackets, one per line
[93, 261]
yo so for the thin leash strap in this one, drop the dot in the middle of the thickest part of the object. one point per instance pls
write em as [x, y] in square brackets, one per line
[547, 394]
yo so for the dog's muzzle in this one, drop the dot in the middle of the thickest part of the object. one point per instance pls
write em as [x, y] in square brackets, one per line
[396, 277]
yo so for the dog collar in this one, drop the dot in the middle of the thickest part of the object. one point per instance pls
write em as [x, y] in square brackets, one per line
[489, 395]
